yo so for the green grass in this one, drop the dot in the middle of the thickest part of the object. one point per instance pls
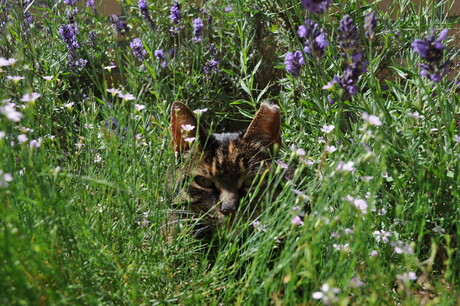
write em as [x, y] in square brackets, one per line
[80, 221]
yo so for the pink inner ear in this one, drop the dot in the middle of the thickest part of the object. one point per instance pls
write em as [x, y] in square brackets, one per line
[181, 118]
[266, 125]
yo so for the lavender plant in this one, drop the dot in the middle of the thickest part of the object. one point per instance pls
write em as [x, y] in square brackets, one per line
[358, 207]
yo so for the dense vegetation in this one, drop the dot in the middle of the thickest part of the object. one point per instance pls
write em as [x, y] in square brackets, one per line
[371, 132]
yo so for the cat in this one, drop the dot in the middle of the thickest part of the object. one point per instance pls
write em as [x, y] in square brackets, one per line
[218, 169]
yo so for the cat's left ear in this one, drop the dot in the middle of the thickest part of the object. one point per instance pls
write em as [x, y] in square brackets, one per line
[265, 127]
[183, 127]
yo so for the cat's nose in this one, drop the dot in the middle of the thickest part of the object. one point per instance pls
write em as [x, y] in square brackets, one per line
[228, 207]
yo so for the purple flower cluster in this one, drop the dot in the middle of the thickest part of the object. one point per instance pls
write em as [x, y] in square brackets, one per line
[91, 4]
[197, 30]
[212, 65]
[347, 81]
[138, 49]
[348, 33]
[175, 16]
[119, 25]
[316, 6]
[70, 2]
[370, 24]
[431, 50]
[144, 9]
[160, 55]
[294, 62]
[315, 38]
[68, 33]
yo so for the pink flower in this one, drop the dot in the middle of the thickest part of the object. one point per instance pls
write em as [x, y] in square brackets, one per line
[187, 127]
[327, 128]
[30, 97]
[126, 97]
[371, 119]
[297, 221]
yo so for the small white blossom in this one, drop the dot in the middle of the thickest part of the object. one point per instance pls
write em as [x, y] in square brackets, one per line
[408, 276]
[345, 167]
[22, 138]
[371, 119]
[330, 149]
[327, 128]
[416, 115]
[457, 138]
[401, 248]
[10, 113]
[35, 143]
[5, 178]
[187, 127]
[6, 62]
[382, 236]
[30, 97]
[200, 111]
[139, 107]
[327, 294]
[126, 96]
[189, 139]
[297, 221]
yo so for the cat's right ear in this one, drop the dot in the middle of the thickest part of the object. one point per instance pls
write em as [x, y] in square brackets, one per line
[183, 127]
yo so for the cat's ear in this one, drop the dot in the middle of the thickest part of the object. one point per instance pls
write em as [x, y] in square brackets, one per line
[183, 127]
[265, 127]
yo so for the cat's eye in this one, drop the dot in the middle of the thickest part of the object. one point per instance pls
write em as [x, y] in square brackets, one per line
[204, 182]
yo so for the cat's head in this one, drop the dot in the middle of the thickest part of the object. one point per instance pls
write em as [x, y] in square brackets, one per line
[220, 168]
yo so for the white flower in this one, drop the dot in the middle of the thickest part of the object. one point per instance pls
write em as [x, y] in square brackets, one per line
[408, 276]
[401, 248]
[30, 97]
[69, 105]
[6, 62]
[2, 134]
[114, 91]
[5, 178]
[200, 111]
[187, 127]
[371, 119]
[127, 96]
[346, 167]
[35, 143]
[330, 149]
[189, 139]
[47, 77]
[327, 128]
[327, 294]
[15, 78]
[22, 138]
[139, 107]
[457, 138]
[10, 112]
[416, 115]
[382, 236]
[374, 253]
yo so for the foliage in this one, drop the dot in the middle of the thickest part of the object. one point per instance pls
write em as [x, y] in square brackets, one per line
[370, 100]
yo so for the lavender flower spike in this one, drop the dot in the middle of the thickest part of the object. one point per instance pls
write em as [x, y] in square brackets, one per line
[144, 9]
[294, 62]
[348, 33]
[197, 30]
[370, 24]
[316, 6]
[138, 49]
[431, 50]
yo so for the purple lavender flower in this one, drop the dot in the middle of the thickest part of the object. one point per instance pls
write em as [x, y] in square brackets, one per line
[348, 33]
[91, 4]
[316, 6]
[347, 82]
[28, 17]
[197, 30]
[70, 2]
[294, 62]
[71, 14]
[315, 38]
[175, 15]
[213, 50]
[138, 49]
[160, 55]
[120, 26]
[69, 33]
[370, 24]
[228, 9]
[144, 9]
[92, 39]
[431, 50]
[211, 66]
